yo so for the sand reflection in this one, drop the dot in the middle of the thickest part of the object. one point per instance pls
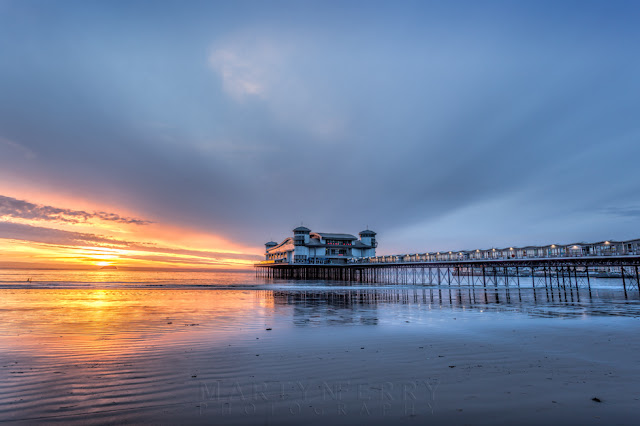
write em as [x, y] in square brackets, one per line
[113, 323]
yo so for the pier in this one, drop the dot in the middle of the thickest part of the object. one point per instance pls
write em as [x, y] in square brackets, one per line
[546, 272]
[548, 266]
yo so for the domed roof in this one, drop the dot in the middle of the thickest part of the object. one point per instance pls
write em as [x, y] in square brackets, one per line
[367, 233]
[271, 243]
[302, 229]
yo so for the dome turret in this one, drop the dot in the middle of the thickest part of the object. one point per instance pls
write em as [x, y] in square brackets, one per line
[301, 236]
[368, 237]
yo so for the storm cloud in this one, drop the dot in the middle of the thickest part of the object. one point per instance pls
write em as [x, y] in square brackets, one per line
[439, 125]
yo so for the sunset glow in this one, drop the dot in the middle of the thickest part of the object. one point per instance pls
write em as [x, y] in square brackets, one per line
[42, 236]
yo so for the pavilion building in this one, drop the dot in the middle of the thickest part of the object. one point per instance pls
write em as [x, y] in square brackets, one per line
[320, 247]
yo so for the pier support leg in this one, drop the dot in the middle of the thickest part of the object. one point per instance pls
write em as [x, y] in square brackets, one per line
[533, 277]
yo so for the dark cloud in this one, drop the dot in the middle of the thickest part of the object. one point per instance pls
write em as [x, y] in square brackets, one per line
[11, 207]
[630, 212]
[37, 234]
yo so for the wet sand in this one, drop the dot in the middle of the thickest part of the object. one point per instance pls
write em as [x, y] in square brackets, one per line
[315, 355]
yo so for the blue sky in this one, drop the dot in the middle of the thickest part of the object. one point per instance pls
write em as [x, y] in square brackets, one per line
[441, 125]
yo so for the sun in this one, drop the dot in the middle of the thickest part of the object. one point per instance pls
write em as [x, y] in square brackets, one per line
[103, 263]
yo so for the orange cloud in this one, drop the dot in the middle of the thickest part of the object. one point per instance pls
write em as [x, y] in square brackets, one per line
[39, 235]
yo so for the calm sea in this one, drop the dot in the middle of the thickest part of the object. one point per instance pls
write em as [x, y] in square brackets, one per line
[605, 297]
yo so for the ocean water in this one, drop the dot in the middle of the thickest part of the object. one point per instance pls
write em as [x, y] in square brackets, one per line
[230, 348]
[605, 296]
[21, 278]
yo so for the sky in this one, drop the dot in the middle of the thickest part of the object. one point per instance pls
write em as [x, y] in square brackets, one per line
[168, 134]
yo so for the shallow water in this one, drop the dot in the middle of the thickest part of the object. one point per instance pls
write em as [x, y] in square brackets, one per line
[114, 346]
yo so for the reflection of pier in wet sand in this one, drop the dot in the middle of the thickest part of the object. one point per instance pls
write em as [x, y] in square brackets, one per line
[360, 305]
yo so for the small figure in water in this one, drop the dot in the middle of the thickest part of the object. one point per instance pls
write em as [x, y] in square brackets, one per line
[29, 279]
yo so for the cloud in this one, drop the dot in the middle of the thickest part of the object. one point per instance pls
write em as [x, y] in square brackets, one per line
[26, 152]
[37, 234]
[57, 237]
[196, 253]
[177, 260]
[632, 212]
[12, 207]
[245, 69]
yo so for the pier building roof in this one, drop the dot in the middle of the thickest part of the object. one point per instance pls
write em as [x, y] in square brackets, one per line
[329, 236]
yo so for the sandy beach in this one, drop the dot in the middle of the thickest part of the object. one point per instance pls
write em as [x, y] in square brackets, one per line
[317, 354]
